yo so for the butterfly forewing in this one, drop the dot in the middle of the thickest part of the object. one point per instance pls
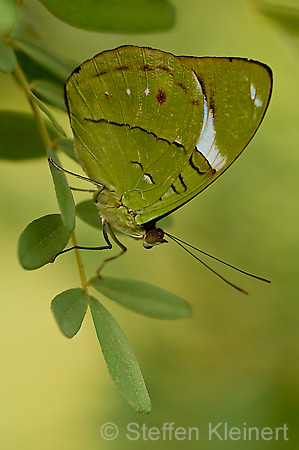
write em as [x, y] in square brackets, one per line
[136, 115]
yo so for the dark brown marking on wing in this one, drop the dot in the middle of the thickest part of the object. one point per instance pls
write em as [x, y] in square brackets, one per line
[138, 163]
[212, 102]
[165, 69]
[174, 189]
[146, 68]
[122, 68]
[182, 182]
[136, 127]
[196, 168]
[144, 173]
[178, 145]
[194, 101]
[107, 96]
[201, 82]
[77, 70]
[191, 163]
[161, 96]
[150, 177]
[182, 86]
[100, 74]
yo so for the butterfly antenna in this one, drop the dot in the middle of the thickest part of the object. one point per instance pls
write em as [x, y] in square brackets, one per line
[206, 265]
[75, 174]
[177, 240]
[180, 243]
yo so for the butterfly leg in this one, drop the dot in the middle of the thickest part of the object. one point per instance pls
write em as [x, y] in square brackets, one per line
[51, 161]
[83, 190]
[79, 247]
[106, 226]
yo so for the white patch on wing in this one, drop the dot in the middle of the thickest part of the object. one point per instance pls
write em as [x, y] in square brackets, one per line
[198, 85]
[257, 101]
[147, 179]
[206, 144]
[252, 91]
[128, 92]
[147, 91]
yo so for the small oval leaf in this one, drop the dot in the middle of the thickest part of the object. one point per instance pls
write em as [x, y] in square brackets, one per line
[42, 55]
[67, 146]
[34, 71]
[48, 113]
[63, 192]
[19, 136]
[120, 359]
[143, 298]
[9, 11]
[41, 240]
[284, 16]
[51, 92]
[89, 213]
[130, 16]
[8, 60]
[69, 309]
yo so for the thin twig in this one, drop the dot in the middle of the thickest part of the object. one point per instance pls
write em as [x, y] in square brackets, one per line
[48, 143]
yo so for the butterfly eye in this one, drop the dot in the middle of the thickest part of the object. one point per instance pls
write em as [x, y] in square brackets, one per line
[153, 236]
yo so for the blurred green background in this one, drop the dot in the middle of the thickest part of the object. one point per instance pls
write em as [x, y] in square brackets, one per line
[236, 360]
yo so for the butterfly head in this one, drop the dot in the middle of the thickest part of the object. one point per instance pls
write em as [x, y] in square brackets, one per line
[153, 237]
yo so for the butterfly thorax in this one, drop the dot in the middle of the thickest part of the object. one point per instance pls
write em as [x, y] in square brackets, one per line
[121, 218]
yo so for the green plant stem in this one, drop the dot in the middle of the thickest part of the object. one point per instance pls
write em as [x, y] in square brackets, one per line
[36, 112]
[84, 282]
[48, 143]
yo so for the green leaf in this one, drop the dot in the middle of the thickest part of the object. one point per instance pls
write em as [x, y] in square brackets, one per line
[42, 55]
[284, 16]
[67, 146]
[120, 359]
[8, 14]
[130, 16]
[89, 213]
[34, 71]
[287, 21]
[143, 298]
[8, 60]
[50, 91]
[48, 113]
[41, 240]
[69, 309]
[19, 136]
[63, 193]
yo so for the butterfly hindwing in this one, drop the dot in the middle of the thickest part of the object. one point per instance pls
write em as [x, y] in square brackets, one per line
[236, 93]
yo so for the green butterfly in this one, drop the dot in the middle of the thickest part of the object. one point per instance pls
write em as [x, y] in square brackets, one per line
[153, 130]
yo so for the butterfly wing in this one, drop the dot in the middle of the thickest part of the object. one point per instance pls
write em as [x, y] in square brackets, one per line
[157, 129]
[136, 114]
[236, 93]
